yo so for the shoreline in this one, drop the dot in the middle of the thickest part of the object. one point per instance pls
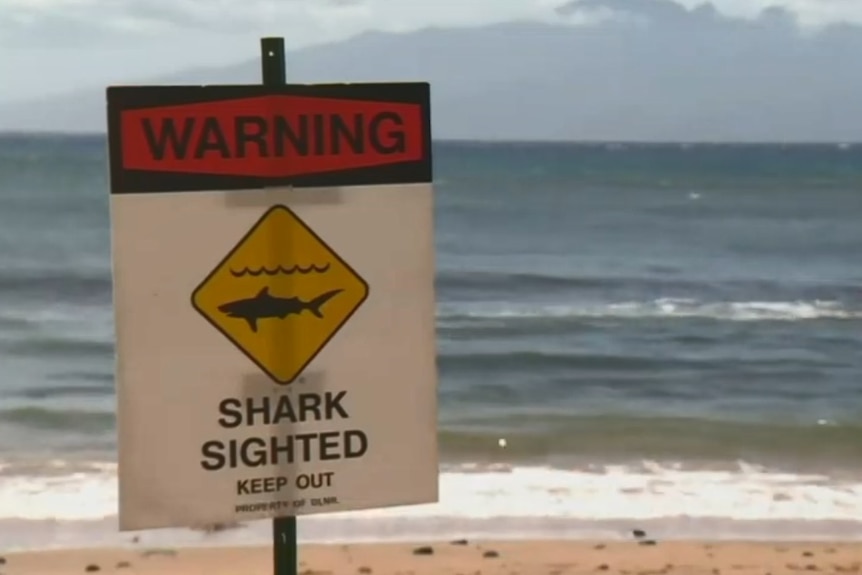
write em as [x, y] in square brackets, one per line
[636, 556]
[322, 530]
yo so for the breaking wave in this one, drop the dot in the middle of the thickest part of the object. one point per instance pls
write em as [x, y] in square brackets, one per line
[660, 308]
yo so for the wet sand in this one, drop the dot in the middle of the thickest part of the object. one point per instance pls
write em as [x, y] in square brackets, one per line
[460, 557]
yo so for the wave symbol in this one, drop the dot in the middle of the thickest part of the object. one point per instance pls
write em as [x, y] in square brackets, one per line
[263, 270]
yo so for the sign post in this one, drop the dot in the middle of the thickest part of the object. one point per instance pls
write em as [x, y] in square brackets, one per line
[284, 533]
[274, 306]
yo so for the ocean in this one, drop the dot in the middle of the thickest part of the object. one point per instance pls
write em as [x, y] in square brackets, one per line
[667, 337]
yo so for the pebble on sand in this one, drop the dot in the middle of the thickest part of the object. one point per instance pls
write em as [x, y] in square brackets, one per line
[638, 533]
[153, 552]
[490, 554]
[92, 568]
[459, 542]
[219, 527]
[423, 551]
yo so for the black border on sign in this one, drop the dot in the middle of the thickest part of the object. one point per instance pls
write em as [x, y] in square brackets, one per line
[224, 260]
[123, 98]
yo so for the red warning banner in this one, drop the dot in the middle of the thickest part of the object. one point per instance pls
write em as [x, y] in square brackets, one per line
[264, 139]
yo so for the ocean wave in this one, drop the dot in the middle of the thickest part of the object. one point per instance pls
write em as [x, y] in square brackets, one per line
[653, 281]
[57, 391]
[91, 286]
[655, 277]
[663, 308]
[80, 320]
[57, 346]
[106, 377]
[490, 362]
[78, 421]
[570, 364]
[456, 279]
[649, 490]
[536, 435]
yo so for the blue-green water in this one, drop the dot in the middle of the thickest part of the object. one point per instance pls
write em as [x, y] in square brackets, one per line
[662, 333]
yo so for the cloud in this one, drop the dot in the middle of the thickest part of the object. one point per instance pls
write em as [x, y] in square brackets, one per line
[78, 22]
[807, 13]
[670, 13]
[82, 23]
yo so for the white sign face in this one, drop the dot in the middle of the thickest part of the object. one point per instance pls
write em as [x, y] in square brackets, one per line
[276, 352]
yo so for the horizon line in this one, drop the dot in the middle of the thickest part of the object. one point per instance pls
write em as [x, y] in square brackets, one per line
[506, 141]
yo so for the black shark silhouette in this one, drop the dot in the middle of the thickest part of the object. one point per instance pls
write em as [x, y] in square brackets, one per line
[264, 305]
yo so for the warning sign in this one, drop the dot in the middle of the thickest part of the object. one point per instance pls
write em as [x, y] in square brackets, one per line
[274, 301]
[281, 294]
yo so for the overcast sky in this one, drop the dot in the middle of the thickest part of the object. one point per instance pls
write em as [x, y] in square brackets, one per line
[50, 46]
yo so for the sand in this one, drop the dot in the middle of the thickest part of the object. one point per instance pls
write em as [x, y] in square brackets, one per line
[460, 557]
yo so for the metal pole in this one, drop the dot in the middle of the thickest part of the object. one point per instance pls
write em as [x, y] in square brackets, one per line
[272, 61]
[284, 547]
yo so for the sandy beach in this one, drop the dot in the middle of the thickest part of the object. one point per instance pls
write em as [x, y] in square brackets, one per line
[637, 557]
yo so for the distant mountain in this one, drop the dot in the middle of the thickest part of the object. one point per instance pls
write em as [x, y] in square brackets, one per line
[652, 71]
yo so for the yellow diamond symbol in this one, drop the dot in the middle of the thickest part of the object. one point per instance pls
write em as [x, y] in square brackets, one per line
[280, 295]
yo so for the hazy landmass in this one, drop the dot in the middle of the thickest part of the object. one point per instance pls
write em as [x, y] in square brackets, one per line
[642, 70]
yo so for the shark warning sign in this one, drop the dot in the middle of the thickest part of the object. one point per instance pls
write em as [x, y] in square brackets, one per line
[280, 295]
[273, 263]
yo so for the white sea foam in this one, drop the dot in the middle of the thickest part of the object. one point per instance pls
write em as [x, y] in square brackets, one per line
[649, 491]
[659, 308]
